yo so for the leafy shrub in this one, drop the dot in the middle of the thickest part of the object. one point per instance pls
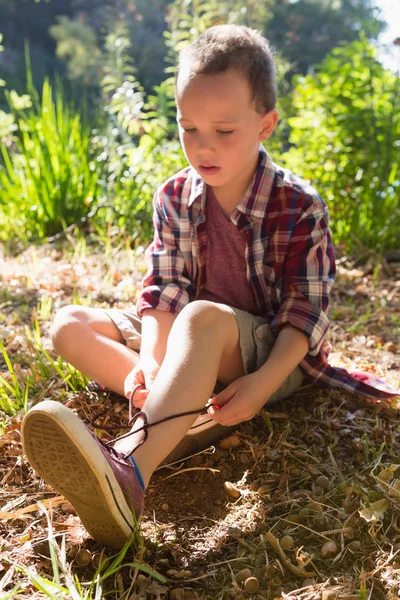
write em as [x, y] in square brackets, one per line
[345, 140]
[48, 179]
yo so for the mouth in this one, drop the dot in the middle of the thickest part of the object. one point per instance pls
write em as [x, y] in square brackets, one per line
[208, 170]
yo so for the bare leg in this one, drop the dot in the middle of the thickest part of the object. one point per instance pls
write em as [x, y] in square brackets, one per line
[89, 340]
[203, 345]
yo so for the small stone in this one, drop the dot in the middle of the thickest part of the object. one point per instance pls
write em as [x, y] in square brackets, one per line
[165, 507]
[308, 582]
[83, 557]
[251, 585]
[287, 542]
[242, 575]
[328, 548]
[232, 441]
[231, 490]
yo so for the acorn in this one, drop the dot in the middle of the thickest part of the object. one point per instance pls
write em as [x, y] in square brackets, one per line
[317, 491]
[355, 545]
[231, 490]
[287, 542]
[232, 441]
[141, 579]
[98, 559]
[251, 585]
[328, 548]
[83, 557]
[323, 482]
[242, 575]
[294, 518]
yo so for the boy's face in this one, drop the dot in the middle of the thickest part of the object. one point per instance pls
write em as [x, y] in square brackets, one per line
[220, 129]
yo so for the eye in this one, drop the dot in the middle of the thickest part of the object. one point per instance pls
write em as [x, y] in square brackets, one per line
[188, 130]
[225, 132]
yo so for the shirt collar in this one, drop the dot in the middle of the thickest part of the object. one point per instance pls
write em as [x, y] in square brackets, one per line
[257, 195]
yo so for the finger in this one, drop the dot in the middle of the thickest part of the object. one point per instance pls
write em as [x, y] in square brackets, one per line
[140, 397]
[133, 391]
[220, 414]
[223, 397]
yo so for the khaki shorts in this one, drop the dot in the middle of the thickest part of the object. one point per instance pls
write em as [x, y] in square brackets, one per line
[255, 337]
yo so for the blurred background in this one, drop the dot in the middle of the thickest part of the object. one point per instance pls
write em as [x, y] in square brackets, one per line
[87, 118]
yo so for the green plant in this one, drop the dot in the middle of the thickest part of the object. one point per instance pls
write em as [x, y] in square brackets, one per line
[49, 180]
[345, 141]
[13, 393]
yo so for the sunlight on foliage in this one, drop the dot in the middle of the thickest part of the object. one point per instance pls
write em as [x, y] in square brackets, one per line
[345, 140]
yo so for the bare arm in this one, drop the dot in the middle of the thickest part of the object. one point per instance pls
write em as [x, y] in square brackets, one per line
[290, 348]
[243, 398]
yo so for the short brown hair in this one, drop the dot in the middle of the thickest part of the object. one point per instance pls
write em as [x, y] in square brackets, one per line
[225, 47]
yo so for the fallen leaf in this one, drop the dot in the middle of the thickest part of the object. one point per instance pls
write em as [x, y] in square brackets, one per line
[375, 511]
[386, 475]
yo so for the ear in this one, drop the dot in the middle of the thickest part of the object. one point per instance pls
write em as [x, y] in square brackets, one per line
[268, 124]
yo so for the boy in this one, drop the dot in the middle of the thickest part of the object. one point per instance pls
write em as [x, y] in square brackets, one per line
[237, 289]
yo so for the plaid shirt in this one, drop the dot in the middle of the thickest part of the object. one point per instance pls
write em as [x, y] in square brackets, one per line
[289, 255]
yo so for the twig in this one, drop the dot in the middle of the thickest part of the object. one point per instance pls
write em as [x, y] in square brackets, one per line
[191, 469]
[277, 547]
[32, 508]
[335, 465]
[308, 528]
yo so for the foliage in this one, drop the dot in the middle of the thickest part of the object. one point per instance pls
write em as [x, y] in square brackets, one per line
[346, 141]
[304, 32]
[83, 56]
[48, 179]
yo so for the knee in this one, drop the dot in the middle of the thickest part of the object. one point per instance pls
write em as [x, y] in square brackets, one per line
[66, 323]
[201, 314]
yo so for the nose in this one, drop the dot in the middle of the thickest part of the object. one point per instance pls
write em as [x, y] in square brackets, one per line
[205, 145]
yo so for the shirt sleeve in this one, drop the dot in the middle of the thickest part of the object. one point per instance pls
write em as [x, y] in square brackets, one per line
[309, 274]
[167, 285]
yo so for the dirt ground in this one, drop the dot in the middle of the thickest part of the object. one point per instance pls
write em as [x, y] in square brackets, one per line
[302, 503]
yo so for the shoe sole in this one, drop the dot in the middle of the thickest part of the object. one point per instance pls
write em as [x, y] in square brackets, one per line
[62, 452]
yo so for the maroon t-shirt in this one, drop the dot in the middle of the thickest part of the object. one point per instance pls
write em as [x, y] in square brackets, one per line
[226, 279]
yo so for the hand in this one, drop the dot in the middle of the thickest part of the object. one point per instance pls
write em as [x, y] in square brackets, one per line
[240, 401]
[144, 375]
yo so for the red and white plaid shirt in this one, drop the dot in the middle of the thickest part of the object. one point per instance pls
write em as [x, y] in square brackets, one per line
[289, 255]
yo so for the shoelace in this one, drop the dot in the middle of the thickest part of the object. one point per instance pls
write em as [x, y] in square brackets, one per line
[132, 420]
